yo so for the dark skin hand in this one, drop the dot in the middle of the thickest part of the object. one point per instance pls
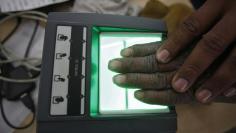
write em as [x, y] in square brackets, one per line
[140, 69]
[214, 22]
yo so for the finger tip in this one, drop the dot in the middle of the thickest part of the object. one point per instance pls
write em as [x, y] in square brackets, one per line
[180, 85]
[127, 52]
[231, 92]
[163, 55]
[114, 64]
[139, 94]
[203, 95]
[119, 79]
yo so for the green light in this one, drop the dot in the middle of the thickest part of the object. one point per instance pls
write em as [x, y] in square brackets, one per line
[113, 99]
[106, 97]
[94, 72]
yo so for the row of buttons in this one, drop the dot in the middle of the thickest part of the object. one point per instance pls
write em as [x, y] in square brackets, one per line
[60, 82]
[60, 78]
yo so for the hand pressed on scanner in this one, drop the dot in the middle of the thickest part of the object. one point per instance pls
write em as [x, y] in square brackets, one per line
[140, 69]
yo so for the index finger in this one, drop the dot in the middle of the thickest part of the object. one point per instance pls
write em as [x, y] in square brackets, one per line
[140, 50]
[192, 27]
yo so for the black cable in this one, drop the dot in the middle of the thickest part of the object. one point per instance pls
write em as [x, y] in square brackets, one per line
[29, 103]
[31, 39]
[26, 99]
[13, 30]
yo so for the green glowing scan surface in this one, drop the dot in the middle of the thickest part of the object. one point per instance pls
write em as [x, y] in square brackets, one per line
[113, 99]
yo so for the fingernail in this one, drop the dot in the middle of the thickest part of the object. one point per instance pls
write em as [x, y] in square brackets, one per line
[114, 64]
[181, 85]
[230, 92]
[139, 94]
[163, 56]
[204, 95]
[119, 79]
[127, 52]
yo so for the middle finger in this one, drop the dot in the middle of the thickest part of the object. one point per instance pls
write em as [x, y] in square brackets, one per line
[147, 81]
[146, 64]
